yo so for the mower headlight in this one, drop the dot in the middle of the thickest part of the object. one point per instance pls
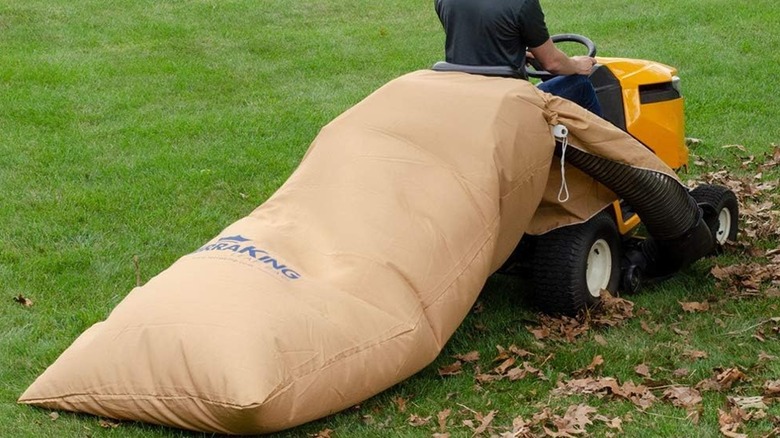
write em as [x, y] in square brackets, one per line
[676, 84]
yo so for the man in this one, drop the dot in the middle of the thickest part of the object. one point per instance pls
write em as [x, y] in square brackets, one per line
[498, 33]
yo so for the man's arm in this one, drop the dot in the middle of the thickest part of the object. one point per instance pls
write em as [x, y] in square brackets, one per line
[557, 62]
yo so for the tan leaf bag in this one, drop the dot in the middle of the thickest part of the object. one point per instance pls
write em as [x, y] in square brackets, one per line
[352, 276]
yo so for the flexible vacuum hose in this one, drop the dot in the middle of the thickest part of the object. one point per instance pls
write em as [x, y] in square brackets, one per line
[666, 208]
[679, 235]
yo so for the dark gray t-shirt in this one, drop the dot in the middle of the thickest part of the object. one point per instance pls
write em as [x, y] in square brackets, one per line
[491, 32]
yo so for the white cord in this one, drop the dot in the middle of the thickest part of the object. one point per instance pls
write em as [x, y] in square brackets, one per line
[561, 133]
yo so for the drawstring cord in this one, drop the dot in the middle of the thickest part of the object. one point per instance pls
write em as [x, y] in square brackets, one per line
[561, 133]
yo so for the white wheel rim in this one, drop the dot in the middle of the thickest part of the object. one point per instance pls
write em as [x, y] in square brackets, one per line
[724, 226]
[599, 269]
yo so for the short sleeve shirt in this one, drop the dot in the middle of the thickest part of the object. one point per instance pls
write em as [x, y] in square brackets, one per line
[491, 32]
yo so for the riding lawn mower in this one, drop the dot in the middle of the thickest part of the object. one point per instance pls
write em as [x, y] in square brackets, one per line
[633, 242]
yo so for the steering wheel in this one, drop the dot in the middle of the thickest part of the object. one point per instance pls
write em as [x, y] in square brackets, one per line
[535, 70]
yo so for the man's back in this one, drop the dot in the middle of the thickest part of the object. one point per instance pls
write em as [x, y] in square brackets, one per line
[495, 32]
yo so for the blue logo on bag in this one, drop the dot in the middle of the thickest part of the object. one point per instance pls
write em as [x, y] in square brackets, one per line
[238, 244]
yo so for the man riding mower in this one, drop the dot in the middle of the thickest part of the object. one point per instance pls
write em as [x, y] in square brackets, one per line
[569, 266]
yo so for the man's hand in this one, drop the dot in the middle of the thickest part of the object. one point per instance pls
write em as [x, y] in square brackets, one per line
[583, 64]
[557, 62]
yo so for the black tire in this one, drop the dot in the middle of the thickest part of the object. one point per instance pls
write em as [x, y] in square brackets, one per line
[721, 211]
[560, 270]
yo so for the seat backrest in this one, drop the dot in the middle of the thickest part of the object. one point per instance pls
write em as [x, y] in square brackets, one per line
[485, 70]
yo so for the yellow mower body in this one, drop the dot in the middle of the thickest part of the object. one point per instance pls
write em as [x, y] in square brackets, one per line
[643, 98]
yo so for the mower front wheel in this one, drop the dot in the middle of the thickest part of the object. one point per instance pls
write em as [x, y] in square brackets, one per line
[572, 265]
[721, 211]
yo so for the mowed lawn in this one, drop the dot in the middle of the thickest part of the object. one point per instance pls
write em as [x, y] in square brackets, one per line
[131, 132]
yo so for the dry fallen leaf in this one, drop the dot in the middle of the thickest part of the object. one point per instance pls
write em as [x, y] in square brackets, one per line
[24, 301]
[597, 361]
[573, 422]
[646, 327]
[696, 354]
[764, 357]
[471, 356]
[400, 403]
[643, 370]
[501, 369]
[442, 417]
[694, 306]
[683, 396]
[484, 422]
[325, 433]
[730, 423]
[108, 424]
[723, 380]
[54, 416]
[452, 369]
[772, 388]
[416, 420]
[746, 403]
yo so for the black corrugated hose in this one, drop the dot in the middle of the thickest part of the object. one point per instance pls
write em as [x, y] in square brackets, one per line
[679, 235]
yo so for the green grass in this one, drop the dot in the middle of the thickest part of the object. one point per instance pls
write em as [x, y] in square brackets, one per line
[143, 128]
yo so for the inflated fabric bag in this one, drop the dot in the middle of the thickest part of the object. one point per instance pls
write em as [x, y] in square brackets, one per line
[352, 276]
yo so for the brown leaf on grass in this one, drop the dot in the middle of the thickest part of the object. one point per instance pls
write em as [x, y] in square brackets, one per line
[772, 388]
[600, 340]
[683, 396]
[692, 307]
[452, 369]
[643, 370]
[442, 418]
[573, 422]
[729, 376]
[417, 421]
[503, 354]
[747, 403]
[325, 433]
[681, 372]
[520, 429]
[764, 357]
[611, 311]
[646, 327]
[730, 422]
[597, 361]
[695, 354]
[471, 356]
[54, 416]
[723, 380]
[519, 352]
[108, 424]
[484, 421]
[680, 331]
[720, 273]
[400, 403]
[501, 369]
[540, 333]
[614, 310]
[640, 395]
[614, 423]
[520, 372]
[24, 301]
[487, 377]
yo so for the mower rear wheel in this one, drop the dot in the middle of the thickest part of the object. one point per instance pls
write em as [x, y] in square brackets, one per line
[721, 211]
[572, 265]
